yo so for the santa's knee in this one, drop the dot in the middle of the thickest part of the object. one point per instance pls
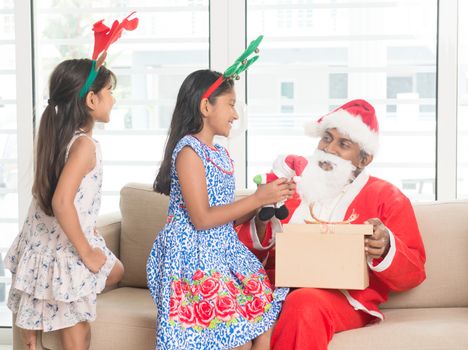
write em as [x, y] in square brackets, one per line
[304, 304]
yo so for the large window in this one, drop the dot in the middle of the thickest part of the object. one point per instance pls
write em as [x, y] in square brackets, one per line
[384, 52]
[151, 62]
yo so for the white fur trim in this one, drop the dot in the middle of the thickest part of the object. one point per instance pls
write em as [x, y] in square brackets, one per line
[346, 123]
[254, 236]
[352, 191]
[276, 226]
[358, 306]
[301, 213]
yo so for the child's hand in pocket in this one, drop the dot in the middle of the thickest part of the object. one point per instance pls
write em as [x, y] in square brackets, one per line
[94, 259]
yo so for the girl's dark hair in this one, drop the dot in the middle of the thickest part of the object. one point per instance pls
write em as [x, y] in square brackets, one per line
[187, 118]
[65, 114]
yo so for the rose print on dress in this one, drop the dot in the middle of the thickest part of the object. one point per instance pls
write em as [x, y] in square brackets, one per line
[210, 299]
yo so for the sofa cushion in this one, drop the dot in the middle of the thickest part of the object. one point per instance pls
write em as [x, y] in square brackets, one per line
[126, 319]
[409, 329]
[444, 229]
[144, 213]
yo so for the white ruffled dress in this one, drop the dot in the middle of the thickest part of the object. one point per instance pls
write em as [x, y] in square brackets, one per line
[51, 287]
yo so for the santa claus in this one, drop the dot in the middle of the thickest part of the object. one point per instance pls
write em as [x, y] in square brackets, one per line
[335, 187]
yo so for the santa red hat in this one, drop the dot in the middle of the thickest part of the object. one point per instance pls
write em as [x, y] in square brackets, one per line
[356, 119]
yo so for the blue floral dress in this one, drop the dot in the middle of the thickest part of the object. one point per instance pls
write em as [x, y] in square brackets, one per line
[51, 287]
[211, 292]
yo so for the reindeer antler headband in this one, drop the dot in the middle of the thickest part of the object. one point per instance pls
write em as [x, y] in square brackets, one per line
[103, 38]
[239, 65]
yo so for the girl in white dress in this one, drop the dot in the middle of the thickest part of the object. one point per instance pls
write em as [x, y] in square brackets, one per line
[59, 262]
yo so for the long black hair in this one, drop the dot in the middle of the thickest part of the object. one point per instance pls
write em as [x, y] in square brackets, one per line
[187, 118]
[65, 113]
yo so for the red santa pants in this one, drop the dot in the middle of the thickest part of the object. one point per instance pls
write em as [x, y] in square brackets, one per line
[310, 317]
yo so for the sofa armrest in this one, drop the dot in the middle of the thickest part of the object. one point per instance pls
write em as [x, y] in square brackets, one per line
[108, 226]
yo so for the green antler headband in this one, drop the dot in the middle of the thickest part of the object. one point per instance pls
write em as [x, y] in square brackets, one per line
[240, 64]
[103, 38]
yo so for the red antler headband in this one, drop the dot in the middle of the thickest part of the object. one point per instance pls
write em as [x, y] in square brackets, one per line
[239, 65]
[103, 38]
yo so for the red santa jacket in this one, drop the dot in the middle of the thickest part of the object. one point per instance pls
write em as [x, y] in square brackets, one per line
[370, 197]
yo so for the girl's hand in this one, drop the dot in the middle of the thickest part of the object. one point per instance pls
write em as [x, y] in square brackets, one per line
[94, 259]
[292, 187]
[275, 191]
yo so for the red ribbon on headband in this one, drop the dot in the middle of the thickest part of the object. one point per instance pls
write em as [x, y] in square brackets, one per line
[105, 36]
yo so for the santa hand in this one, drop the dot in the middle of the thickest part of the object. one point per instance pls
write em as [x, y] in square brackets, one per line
[377, 245]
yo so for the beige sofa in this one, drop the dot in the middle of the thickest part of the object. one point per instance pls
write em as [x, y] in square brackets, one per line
[431, 316]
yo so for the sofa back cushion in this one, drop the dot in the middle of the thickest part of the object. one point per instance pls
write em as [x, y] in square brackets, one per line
[444, 229]
[144, 213]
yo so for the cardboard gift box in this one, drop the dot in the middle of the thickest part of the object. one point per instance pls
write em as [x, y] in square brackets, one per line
[322, 256]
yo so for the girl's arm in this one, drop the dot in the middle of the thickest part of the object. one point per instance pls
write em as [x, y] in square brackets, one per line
[191, 173]
[81, 160]
[245, 218]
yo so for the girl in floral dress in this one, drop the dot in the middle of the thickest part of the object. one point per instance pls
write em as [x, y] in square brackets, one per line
[211, 292]
[58, 261]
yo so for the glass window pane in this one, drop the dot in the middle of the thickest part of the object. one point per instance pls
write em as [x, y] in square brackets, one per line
[384, 52]
[338, 85]
[287, 89]
[171, 41]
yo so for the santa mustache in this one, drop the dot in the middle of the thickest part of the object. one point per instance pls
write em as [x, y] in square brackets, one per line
[330, 161]
[324, 177]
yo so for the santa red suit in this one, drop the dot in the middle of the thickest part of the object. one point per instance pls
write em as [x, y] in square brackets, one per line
[310, 316]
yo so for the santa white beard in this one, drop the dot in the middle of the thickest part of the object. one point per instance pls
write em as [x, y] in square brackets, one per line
[319, 185]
